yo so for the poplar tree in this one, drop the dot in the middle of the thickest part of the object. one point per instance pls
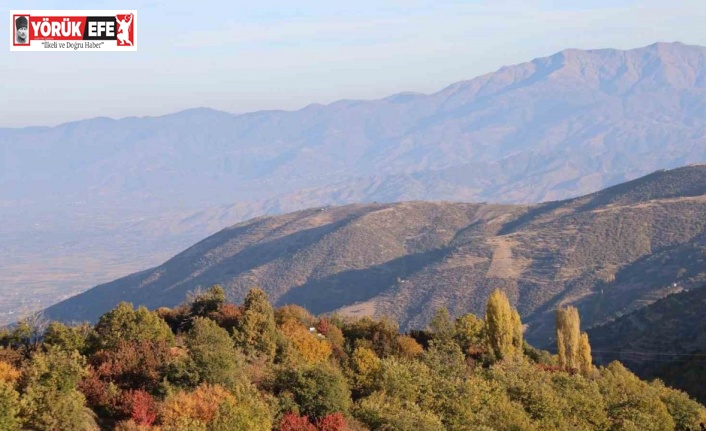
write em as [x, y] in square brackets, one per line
[572, 346]
[567, 330]
[517, 339]
[584, 358]
[501, 326]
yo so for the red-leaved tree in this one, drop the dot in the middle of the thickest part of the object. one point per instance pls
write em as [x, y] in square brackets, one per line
[292, 422]
[144, 407]
[332, 422]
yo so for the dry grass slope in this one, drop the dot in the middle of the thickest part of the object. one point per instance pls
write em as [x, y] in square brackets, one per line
[607, 253]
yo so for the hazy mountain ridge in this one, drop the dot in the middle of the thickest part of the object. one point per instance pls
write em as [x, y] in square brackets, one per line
[571, 100]
[553, 128]
[608, 253]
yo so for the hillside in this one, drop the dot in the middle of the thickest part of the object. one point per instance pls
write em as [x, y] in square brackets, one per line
[608, 253]
[667, 339]
[549, 129]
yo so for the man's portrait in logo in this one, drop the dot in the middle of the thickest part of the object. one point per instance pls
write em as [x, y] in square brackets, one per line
[22, 30]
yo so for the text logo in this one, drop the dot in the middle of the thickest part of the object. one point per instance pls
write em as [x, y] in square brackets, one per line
[73, 30]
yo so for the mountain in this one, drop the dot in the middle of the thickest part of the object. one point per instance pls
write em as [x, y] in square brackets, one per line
[666, 339]
[553, 128]
[608, 253]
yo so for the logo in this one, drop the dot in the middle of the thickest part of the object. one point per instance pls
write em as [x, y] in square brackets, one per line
[73, 30]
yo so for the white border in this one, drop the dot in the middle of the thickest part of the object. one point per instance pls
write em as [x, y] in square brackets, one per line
[37, 47]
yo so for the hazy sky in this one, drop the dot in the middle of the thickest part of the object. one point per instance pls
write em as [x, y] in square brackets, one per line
[240, 56]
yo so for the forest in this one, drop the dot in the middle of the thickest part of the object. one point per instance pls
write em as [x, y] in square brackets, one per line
[211, 365]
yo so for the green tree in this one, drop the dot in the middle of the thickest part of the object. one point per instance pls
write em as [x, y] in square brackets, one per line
[406, 380]
[68, 337]
[9, 408]
[631, 403]
[51, 401]
[317, 390]
[215, 359]
[365, 368]
[441, 325]
[257, 330]
[204, 303]
[469, 332]
[381, 412]
[123, 323]
[501, 326]
[246, 413]
[685, 412]
[29, 331]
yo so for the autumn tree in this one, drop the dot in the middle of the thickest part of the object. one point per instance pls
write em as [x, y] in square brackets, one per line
[503, 326]
[133, 365]
[8, 373]
[332, 422]
[294, 422]
[140, 406]
[193, 410]
[311, 347]
[573, 347]
[517, 330]
[378, 335]
[257, 330]
[334, 336]
[296, 312]
[407, 347]
[213, 408]
[585, 360]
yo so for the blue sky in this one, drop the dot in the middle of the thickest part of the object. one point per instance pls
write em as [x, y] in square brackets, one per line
[241, 56]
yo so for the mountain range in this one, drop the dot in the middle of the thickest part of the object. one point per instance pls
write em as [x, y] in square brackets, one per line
[86, 202]
[609, 253]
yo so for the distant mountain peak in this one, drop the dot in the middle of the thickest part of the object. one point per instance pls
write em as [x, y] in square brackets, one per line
[544, 130]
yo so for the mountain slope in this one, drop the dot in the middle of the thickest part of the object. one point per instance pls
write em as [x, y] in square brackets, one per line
[552, 128]
[666, 339]
[608, 253]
